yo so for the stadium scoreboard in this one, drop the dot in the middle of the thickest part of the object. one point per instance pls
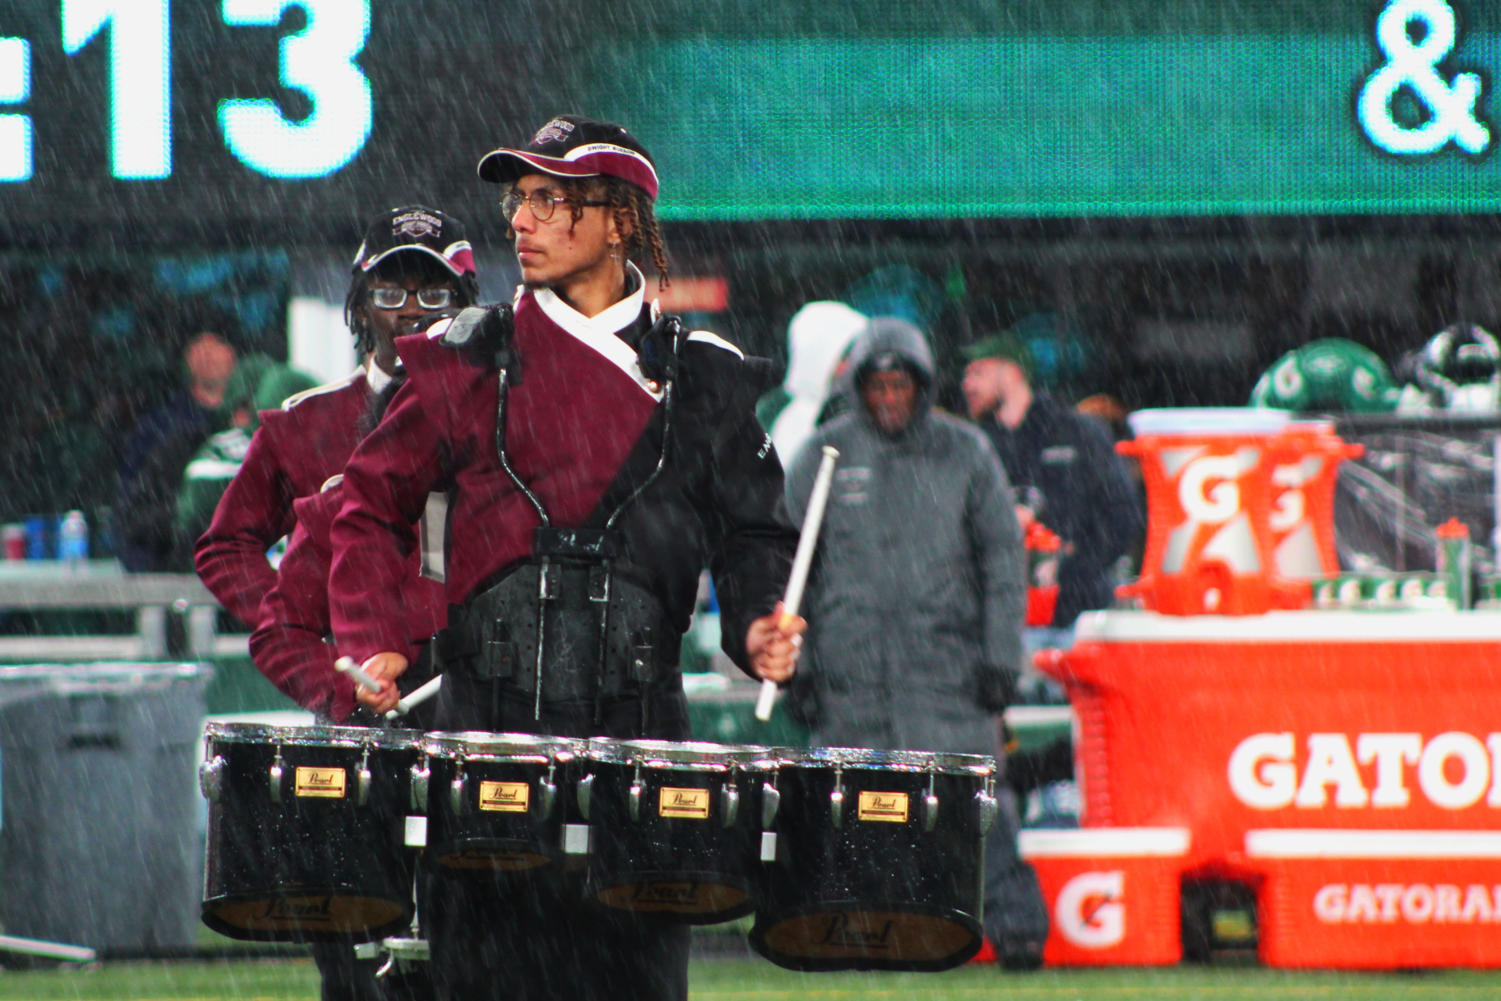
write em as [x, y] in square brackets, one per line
[291, 116]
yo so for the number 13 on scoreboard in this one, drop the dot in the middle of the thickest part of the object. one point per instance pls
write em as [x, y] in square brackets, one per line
[319, 61]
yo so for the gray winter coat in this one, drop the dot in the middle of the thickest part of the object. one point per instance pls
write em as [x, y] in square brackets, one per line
[917, 596]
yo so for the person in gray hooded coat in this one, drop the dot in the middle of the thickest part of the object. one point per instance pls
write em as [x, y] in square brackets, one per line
[917, 595]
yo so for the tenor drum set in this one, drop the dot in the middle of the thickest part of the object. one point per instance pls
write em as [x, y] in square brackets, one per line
[848, 858]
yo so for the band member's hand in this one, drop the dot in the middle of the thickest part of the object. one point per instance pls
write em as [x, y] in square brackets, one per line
[773, 642]
[384, 667]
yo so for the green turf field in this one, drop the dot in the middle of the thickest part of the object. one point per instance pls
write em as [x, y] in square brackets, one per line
[756, 980]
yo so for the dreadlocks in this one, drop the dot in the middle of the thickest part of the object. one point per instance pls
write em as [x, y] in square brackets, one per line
[636, 218]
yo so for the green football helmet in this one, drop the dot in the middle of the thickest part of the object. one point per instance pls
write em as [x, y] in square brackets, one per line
[1333, 374]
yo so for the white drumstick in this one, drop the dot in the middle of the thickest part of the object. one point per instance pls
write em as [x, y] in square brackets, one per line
[418, 695]
[802, 561]
[349, 667]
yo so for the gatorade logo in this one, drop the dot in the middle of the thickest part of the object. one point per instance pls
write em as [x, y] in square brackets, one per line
[1090, 910]
[1407, 903]
[1209, 489]
[1452, 770]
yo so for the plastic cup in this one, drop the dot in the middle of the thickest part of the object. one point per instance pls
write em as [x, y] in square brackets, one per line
[14, 538]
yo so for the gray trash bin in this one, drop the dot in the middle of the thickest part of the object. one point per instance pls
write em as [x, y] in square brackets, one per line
[100, 845]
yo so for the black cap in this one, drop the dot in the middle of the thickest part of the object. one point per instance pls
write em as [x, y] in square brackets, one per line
[573, 146]
[417, 228]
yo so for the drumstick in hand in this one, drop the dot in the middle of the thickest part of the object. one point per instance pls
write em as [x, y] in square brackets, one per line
[349, 667]
[802, 561]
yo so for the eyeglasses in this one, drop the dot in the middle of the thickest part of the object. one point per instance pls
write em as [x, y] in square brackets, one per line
[541, 202]
[427, 298]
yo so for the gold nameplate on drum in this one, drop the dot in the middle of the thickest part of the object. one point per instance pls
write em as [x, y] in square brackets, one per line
[685, 804]
[890, 807]
[320, 783]
[504, 797]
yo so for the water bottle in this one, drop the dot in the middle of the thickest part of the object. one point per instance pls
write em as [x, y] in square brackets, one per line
[1455, 561]
[73, 541]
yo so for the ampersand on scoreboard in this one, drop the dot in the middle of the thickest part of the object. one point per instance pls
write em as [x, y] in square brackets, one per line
[1450, 105]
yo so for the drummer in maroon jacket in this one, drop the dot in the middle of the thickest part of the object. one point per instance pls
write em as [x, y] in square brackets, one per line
[597, 457]
[413, 261]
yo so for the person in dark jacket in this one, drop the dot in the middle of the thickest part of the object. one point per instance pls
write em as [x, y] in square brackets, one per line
[597, 456]
[1065, 473]
[158, 449]
[917, 595]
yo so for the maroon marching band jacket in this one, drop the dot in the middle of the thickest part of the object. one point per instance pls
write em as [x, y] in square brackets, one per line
[584, 430]
[292, 454]
[290, 646]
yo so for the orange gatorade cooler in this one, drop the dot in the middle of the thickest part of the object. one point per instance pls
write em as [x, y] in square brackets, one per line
[1377, 899]
[1112, 893]
[1314, 719]
[1228, 488]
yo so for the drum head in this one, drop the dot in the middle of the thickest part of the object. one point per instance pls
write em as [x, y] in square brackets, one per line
[693, 754]
[944, 763]
[303, 914]
[694, 898]
[481, 745]
[856, 936]
[268, 735]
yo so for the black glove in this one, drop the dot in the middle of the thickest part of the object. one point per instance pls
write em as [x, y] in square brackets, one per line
[995, 688]
[484, 334]
[658, 354]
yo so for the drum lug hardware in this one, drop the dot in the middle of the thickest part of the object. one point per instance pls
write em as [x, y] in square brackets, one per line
[730, 803]
[456, 790]
[276, 775]
[211, 778]
[636, 790]
[930, 804]
[547, 796]
[771, 799]
[836, 798]
[420, 777]
[585, 787]
[988, 806]
[364, 781]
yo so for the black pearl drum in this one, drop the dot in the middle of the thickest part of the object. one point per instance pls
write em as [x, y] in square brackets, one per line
[306, 831]
[499, 801]
[878, 860]
[676, 828]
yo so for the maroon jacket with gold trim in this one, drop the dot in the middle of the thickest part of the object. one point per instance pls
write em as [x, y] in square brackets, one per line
[292, 454]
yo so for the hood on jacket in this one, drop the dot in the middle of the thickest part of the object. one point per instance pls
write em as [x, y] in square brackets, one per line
[817, 337]
[885, 342]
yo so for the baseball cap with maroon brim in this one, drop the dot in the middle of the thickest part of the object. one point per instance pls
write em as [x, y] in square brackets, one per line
[417, 228]
[572, 146]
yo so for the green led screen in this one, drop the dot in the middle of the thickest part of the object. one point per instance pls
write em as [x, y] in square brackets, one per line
[280, 118]
[1167, 109]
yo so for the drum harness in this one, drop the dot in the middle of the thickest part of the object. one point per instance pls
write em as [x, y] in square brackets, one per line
[592, 550]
